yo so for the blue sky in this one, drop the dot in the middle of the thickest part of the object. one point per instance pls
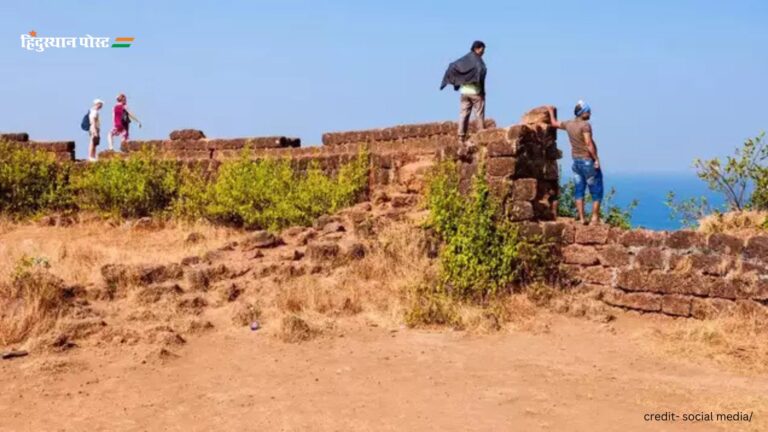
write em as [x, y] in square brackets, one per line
[668, 80]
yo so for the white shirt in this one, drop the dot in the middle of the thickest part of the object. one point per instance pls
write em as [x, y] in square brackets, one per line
[93, 117]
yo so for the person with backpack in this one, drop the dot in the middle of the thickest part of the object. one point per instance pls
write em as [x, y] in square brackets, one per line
[92, 125]
[467, 75]
[121, 120]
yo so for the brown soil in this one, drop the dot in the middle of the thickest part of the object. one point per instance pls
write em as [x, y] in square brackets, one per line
[577, 375]
[147, 327]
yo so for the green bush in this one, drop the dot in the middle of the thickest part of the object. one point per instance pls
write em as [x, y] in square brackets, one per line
[140, 185]
[742, 180]
[484, 254]
[270, 194]
[32, 181]
[251, 193]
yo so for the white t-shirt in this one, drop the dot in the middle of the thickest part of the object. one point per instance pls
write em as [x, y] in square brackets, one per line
[93, 117]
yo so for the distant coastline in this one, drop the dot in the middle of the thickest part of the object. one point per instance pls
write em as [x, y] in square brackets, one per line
[651, 191]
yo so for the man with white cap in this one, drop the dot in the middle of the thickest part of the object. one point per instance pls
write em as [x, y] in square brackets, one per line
[586, 164]
[94, 131]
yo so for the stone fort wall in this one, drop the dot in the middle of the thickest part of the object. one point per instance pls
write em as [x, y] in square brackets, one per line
[681, 273]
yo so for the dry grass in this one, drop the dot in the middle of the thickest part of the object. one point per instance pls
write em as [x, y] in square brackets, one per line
[737, 340]
[744, 223]
[29, 305]
[372, 287]
[77, 253]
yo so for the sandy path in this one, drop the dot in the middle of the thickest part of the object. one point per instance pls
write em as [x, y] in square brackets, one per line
[579, 376]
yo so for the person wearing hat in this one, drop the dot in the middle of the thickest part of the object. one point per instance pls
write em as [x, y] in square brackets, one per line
[95, 129]
[586, 163]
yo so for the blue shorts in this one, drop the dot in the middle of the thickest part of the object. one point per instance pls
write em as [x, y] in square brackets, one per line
[585, 175]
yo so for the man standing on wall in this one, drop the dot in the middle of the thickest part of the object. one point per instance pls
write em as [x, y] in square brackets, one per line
[467, 75]
[586, 164]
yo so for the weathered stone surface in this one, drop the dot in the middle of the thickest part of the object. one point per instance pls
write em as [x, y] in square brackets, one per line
[685, 240]
[519, 211]
[325, 250]
[597, 234]
[537, 115]
[709, 264]
[187, 134]
[500, 187]
[733, 288]
[260, 240]
[641, 237]
[554, 231]
[757, 248]
[641, 301]
[19, 137]
[598, 275]
[614, 255]
[529, 229]
[504, 148]
[524, 189]
[725, 243]
[633, 280]
[502, 166]
[650, 257]
[677, 305]
[679, 283]
[578, 254]
[352, 250]
[706, 308]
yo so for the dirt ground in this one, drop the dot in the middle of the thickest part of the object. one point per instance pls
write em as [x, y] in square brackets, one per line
[571, 375]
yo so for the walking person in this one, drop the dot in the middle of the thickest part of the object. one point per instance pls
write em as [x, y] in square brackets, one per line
[121, 120]
[588, 173]
[94, 128]
[467, 75]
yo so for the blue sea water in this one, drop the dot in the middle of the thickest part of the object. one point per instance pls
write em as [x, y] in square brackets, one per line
[651, 192]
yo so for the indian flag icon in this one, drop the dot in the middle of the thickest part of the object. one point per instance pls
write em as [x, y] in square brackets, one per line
[122, 42]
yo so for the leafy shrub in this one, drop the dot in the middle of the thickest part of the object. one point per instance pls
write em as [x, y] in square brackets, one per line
[192, 196]
[483, 253]
[270, 194]
[742, 180]
[32, 181]
[140, 185]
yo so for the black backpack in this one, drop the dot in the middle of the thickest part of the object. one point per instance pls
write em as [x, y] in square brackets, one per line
[125, 119]
[86, 123]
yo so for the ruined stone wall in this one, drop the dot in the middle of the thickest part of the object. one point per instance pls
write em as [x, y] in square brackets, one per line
[62, 150]
[678, 273]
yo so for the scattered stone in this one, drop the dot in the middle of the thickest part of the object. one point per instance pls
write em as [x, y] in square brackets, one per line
[187, 134]
[257, 254]
[194, 305]
[379, 197]
[7, 355]
[154, 294]
[190, 261]
[232, 292]
[194, 237]
[352, 250]
[333, 227]
[260, 240]
[292, 255]
[323, 251]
